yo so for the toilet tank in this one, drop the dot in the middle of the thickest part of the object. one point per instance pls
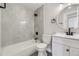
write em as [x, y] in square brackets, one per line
[46, 38]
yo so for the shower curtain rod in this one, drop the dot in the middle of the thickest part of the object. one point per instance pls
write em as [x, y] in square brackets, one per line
[4, 6]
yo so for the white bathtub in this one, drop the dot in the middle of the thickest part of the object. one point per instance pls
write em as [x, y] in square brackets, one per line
[21, 49]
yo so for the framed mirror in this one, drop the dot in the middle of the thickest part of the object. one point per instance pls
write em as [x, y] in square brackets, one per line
[69, 17]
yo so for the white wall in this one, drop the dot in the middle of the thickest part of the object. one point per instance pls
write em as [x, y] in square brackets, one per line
[50, 12]
[17, 24]
[43, 23]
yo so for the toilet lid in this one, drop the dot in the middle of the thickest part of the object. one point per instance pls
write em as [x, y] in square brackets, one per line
[42, 45]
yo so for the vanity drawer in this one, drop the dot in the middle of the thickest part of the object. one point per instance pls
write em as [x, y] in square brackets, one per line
[74, 43]
[60, 40]
[69, 42]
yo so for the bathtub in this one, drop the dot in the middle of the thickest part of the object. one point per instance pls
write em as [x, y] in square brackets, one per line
[25, 48]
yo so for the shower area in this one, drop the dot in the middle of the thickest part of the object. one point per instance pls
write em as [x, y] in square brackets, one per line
[16, 30]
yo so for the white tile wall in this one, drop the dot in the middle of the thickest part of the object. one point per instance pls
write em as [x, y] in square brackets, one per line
[17, 24]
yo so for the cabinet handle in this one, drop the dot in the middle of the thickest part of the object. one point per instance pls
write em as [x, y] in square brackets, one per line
[67, 50]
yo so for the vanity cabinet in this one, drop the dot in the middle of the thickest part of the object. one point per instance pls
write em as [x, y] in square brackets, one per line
[60, 50]
[62, 46]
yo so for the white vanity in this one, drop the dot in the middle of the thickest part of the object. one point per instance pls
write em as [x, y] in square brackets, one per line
[65, 45]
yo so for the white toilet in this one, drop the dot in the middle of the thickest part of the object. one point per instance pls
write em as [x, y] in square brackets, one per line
[42, 47]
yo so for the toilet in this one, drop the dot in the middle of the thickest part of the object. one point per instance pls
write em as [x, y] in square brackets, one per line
[43, 47]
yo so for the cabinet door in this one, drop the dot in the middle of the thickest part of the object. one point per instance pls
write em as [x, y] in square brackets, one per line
[74, 52]
[60, 50]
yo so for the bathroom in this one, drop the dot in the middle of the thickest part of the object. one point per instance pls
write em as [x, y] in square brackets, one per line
[39, 29]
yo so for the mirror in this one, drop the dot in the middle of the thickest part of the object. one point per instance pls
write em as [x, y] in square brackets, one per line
[69, 17]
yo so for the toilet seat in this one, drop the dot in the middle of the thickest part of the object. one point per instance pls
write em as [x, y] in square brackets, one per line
[42, 45]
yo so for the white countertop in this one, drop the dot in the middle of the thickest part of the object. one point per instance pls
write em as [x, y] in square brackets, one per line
[75, 36]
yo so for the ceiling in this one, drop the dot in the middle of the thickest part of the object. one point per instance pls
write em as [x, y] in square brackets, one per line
[33, 6]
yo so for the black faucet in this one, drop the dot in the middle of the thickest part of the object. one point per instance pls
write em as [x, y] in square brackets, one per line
[69, 32]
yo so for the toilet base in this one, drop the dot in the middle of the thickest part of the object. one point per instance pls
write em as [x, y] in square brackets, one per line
[42, 53]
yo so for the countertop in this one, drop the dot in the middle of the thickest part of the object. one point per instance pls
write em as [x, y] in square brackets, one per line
[75, 36]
